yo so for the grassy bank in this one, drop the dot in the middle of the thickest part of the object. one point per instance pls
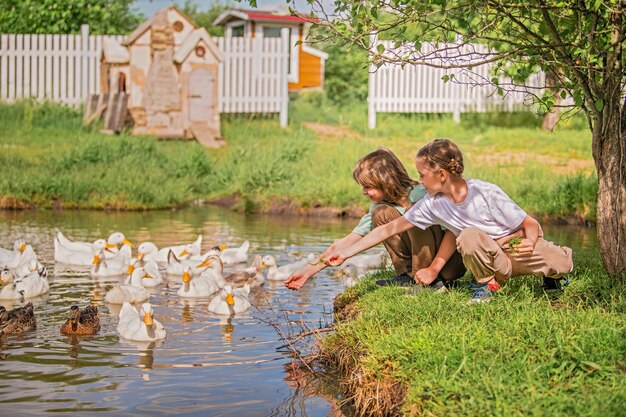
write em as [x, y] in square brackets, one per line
[523, 354]
[50, 160]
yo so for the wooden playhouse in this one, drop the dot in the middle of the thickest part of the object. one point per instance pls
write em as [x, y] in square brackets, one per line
[166, 71]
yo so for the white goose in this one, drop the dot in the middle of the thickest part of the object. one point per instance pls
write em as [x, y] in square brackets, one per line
[133, 293]
[27, 263]
[113, 266]
[368, 261]
[197, 286]
[8, 286]
[150, 267]
[81, 253]
[33, 284]
[140, 326]
[231, 301]
[281, 273]
[149, 251]
[175, 266]
[10, 259]
[116, 240]
[349, 275]
[238, 255]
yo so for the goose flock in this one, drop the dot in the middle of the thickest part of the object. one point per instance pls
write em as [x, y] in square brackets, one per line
[201, 275]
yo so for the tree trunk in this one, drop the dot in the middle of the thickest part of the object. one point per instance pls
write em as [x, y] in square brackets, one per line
[551, 118]
[609, 153]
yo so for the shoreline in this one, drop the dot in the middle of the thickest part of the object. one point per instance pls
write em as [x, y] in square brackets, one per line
[277, 206]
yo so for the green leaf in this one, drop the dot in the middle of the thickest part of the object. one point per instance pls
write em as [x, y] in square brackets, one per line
[563, 94]
[495, 81]
[445, 78]
[599, 104]
[380, 48]
[500, 92]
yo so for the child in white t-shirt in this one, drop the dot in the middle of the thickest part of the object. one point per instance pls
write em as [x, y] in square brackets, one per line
[391, 191]
[495, 237]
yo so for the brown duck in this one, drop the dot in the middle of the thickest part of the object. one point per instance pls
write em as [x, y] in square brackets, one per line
[85, 321]
[21, 319]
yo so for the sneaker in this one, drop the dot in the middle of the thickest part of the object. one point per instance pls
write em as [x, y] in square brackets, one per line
[403, 280]
[552, 284]
[437, 285]
[483, 292]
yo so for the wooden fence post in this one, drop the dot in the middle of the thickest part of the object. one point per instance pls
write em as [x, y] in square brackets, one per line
[84, 77]
[284, 96]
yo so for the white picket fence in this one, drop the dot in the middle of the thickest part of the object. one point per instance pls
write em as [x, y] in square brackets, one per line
[420, 88]
[66, 69]
[253, 78]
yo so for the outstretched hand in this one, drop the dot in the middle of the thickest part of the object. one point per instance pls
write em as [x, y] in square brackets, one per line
[296, 280]
[335, 259]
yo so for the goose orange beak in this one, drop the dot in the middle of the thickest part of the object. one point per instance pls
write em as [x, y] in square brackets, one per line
[147, 319]
[230, 300]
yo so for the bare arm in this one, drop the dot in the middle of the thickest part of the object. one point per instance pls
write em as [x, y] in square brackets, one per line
[373, 238]
[448, 245]
[296, 280]
[533, 231]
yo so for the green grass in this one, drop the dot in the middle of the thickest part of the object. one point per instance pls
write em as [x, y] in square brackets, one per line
[49, 159]
[524, 353]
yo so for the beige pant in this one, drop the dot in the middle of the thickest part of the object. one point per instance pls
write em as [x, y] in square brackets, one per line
[483, 256]
[416, 248]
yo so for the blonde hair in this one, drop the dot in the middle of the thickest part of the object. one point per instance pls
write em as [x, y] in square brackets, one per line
[381, 169]
[443, 153]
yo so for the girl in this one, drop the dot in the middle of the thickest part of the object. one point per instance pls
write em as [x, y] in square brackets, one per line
[391, 191]
[496, 238]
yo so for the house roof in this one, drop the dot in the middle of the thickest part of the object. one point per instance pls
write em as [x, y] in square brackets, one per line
[191, 41]
[141, 29]
[262, 16]
[114, 52]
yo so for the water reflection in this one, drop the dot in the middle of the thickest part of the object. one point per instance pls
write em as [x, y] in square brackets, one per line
[208, 365]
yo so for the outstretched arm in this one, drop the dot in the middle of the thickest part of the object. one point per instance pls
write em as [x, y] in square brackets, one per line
[296, 280]
[373, 238]
[448, 245]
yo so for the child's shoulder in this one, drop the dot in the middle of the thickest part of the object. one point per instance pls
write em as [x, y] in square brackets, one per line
[482, 185]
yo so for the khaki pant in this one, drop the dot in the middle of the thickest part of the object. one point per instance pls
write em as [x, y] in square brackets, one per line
[415, 248]
[483, 256]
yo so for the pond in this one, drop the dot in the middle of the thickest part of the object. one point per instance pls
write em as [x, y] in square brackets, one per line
[208, 365]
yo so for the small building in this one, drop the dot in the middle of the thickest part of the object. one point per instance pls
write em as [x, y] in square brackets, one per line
[168, 67]
[306, 64]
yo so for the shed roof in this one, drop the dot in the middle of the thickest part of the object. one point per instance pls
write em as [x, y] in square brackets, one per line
[114, 52]
[192, 40]
[141, 29]
[262, 16]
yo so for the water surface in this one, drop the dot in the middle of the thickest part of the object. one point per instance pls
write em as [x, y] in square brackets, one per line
[208, 365]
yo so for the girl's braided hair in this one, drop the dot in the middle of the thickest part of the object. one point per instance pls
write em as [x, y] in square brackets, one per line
[381, 169]
[443, 153]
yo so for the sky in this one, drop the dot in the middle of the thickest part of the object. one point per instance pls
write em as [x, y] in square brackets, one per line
[149, 7]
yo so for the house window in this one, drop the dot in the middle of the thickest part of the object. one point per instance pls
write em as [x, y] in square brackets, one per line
[237, 31]
[200, 51]
[271, 32]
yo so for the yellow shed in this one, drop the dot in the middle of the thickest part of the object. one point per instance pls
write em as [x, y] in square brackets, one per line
[306, 64]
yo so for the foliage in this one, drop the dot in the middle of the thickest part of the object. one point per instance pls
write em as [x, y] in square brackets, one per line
[206, 18]
[576, 41]
[345, 71]
[104, 17]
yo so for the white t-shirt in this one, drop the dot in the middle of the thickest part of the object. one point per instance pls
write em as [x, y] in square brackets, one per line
[486, 207]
